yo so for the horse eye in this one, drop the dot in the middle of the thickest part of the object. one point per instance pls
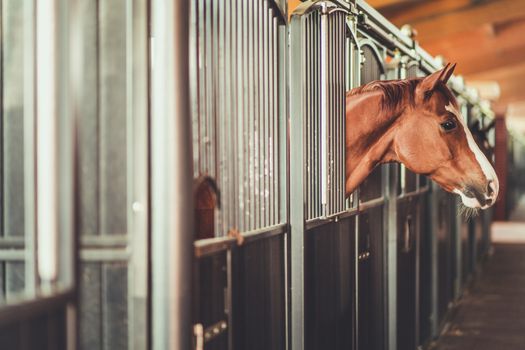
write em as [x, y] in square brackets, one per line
[448, 125]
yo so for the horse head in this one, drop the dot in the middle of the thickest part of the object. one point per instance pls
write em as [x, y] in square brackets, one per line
[432, 138]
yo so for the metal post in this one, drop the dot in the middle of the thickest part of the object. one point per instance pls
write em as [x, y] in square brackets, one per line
[171, 173]
[434, 222]
[297, 186]
[47, 146]
[391, 187]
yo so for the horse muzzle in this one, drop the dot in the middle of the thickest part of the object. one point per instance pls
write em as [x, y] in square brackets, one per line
[479, 197]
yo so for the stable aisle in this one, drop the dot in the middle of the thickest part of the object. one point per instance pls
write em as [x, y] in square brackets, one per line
[491, 316]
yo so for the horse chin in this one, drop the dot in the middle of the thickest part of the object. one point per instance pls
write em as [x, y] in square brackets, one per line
[470, 202]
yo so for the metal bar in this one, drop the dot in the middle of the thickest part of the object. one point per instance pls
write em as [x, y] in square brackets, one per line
[171, 178]
[371, 203]
[324, 112]
[330, 112]
[101, 255]
[104, 241]
[251, 114]
[283, 130]
[209, 246]
[30, 236]
[258, 112]
[273, 119]
[47, 135]
[315, 115]
[220, 120]
[245, 120]
[392, 251]
[297, 186]
[263, 82]
[307, 124]
[11, 254]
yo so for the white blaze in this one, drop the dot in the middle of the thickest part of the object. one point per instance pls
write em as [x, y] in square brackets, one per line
[485, 165]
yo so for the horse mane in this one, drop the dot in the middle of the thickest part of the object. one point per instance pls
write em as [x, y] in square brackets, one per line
[394, 92]
[397, 92]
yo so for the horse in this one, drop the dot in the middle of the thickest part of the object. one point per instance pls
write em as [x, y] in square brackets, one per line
[416, 122]
[206, 198]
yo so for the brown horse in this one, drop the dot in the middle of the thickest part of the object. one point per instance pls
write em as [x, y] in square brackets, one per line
[416, 122]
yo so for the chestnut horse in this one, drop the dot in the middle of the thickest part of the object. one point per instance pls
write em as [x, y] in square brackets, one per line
[416, 122]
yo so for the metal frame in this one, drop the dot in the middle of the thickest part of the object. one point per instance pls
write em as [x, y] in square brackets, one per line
[250, 109]
[171, 149]
[50, 99]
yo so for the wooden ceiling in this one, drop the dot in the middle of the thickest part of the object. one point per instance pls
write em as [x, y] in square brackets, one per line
[485, 37]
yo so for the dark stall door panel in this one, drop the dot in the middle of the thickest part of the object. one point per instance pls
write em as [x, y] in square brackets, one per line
[407, 225]
[425, 272]
[103, 306]
[43, 331]
[371, 289]
[259, 295]
[330, 286]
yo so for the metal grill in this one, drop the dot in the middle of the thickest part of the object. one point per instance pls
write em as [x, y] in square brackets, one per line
[235, 97]
[323, 93]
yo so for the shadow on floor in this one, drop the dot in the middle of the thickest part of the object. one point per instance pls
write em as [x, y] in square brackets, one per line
[492, 315]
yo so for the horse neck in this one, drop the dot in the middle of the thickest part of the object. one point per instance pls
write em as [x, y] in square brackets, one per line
[369, 136]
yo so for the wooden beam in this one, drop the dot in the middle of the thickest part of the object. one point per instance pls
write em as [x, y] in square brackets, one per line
[489, 45]
[379, 4]
[413, 13]
[492, 60]
[467, 18]
[511, 80]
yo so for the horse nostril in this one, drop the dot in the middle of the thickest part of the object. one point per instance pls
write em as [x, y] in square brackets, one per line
[488, 201]
[490, 191]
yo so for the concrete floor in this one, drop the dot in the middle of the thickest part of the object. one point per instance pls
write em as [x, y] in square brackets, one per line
[491, 316]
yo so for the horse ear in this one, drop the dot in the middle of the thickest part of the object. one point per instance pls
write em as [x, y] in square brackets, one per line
[430, 82]
[448, 70]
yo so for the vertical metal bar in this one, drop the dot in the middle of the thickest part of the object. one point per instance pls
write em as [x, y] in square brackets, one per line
[264, 109]
[171, 170]
[308, 125]
[194, 83]
[324, 110]
[335, 120]
[137, 98]
[219, 115]
[331, 112]
[258, 114]
[29, 151]
[434, 224]
[46, 136]
[272, 66]
[341, 103]
[282, 97]
[201, 47]
[342, 114]
[391, 269]
[314, 68]
[232, 114]
[241, 115]
[250, 115]
[297, 186]
[241, 110]
[208, 54]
